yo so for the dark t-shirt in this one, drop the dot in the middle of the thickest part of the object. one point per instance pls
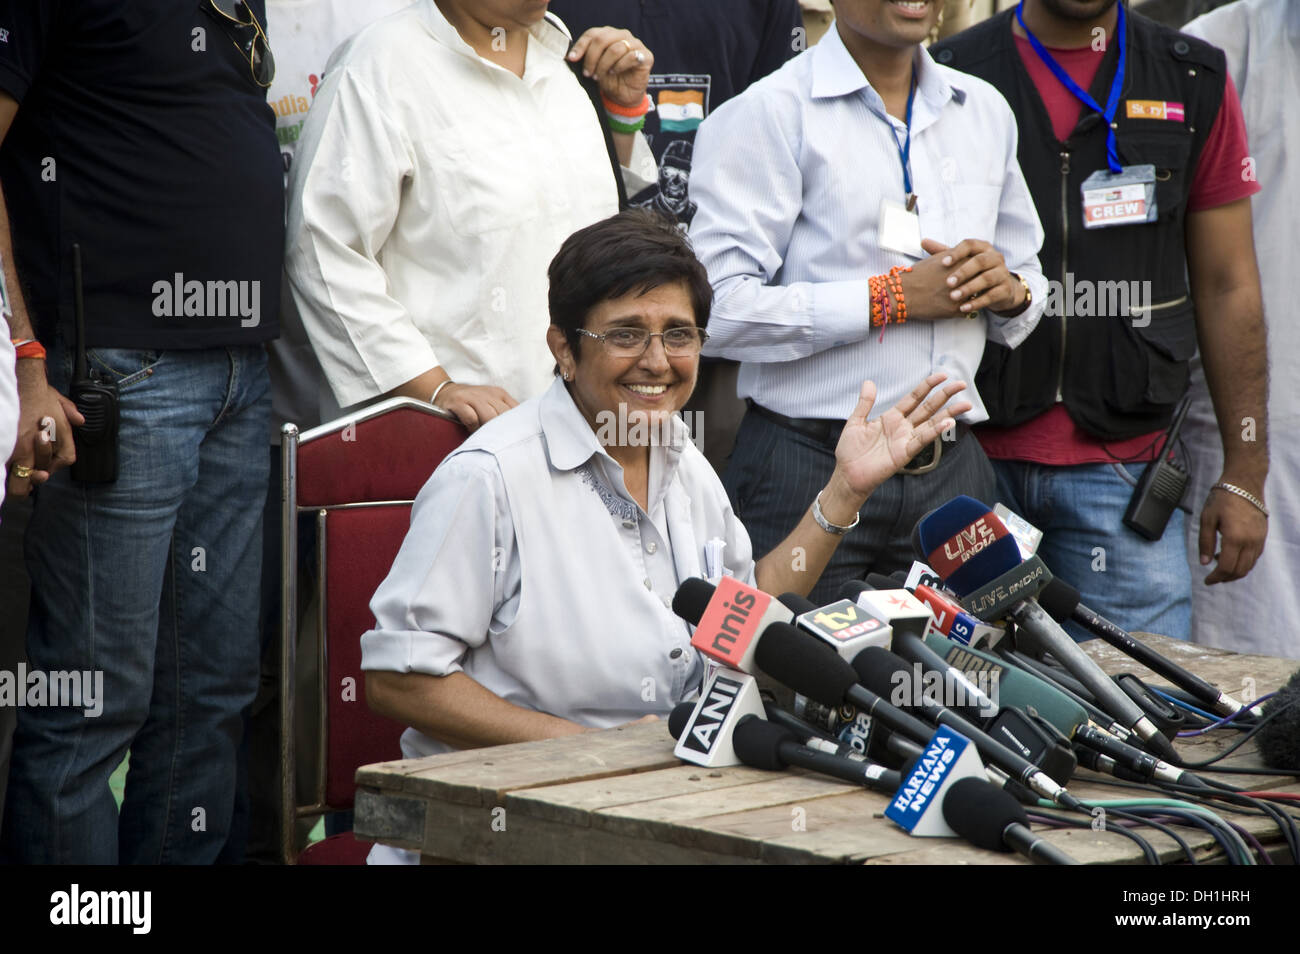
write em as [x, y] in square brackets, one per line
[706, 51]
[142, 136]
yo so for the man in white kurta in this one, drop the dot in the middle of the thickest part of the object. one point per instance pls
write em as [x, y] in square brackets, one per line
[1262, 41]
[429, 192]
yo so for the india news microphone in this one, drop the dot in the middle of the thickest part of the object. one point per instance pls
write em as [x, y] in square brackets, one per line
[978, 558]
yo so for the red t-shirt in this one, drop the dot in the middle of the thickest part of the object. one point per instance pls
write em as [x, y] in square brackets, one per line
[1052, 437]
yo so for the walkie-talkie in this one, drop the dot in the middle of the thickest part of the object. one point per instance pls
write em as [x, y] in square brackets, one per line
[1160, 488]
[96, 398]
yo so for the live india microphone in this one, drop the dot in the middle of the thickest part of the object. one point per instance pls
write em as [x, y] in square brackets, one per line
[764, 745]
[975, 554]
[989, 818]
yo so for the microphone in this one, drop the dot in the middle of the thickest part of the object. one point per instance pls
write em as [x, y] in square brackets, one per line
[1279, 739]
[948, 757]
[842, 625]
[975, 554]
[705, 736]
[989, 818]
[763, 745]
[1062, 602]
[876, 670]
[728, 618]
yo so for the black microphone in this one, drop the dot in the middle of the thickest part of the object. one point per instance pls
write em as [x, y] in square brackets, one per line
[761, 744]
[979, 559]
[1062, 602]
[1279, 739]
[989, 818]
[876, 669]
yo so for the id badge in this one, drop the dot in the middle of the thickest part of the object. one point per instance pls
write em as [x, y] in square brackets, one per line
[900, 230]
[1127, 197]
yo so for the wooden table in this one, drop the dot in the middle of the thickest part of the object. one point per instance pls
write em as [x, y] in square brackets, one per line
[620, 796]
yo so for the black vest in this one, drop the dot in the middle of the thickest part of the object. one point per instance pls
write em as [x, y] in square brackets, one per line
[1120, 370]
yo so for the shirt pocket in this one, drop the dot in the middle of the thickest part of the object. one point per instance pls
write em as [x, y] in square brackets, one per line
[1170, 152]
[487, 181]
[976, 212]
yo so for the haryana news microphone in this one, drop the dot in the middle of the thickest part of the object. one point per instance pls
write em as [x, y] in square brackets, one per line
[729, 632]
[978, 558]
[1063, 602]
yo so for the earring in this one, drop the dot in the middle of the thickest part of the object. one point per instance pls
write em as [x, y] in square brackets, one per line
[565, 375]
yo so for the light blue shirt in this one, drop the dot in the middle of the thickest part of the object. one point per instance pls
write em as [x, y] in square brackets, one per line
[789, 177]
[530, 569]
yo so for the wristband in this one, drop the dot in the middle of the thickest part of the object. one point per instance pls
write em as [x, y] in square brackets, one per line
[28, 348]
[826, 524]
[1244, 495]
[626, 119]
[434, 400]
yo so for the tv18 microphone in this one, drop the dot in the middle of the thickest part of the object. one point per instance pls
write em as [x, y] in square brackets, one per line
[990, 818]
[876, 669]
[842, 625]
[1062, 602]
[978, 558]
[764, 745]
[706, 737]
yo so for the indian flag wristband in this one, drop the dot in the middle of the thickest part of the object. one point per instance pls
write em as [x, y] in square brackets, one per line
[626, 119]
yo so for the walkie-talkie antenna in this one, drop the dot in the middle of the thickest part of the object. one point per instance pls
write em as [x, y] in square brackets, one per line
[1171, 435]
[79, 314]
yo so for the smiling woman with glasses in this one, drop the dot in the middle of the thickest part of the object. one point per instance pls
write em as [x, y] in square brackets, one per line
[241, 25]
[531, 597]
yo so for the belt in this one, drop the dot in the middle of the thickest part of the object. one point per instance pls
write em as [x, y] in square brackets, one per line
[827, 432]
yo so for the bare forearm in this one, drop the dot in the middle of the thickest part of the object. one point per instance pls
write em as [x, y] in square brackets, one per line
[459, 711]
[623, 143]
[20, 325]
[797, 562]
[422, 386]
[1234, 352]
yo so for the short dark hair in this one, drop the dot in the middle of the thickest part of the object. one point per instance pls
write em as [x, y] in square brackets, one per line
[633, 251]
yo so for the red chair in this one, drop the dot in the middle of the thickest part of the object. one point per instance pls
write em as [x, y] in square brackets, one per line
[360, 475]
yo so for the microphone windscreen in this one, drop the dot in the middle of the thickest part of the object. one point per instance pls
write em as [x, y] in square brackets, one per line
[797, 604]
[875, 667]
[678, 718]
[1279, 739]
[899, 577]
[852, 589]
[757, 743]
[966, 544]
[691, 599]
[1058, 599]
[878, 581]
[804, 663]
[980, 812]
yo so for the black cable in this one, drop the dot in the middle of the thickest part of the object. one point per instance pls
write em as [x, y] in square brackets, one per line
[1194, 819]
[1245, 737]
[1071, 821]
[1164, 829]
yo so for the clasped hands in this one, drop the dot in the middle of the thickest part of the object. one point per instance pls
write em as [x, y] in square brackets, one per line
[956, 282]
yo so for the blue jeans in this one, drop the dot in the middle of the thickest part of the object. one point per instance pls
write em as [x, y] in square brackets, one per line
[1141, 585]
[152, 579]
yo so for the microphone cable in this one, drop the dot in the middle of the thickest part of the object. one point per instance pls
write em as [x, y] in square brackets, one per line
[1072, 821]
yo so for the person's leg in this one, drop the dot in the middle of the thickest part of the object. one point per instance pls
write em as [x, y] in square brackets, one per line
[97, 555]
[1140, 585]
[15, 592]
[179, 810]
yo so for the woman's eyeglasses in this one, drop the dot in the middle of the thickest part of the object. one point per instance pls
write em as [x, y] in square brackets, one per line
[254, 45]
[632, 342]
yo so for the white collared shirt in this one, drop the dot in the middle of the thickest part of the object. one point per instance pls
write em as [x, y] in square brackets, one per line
[529, 568]
[789, 177]
[430, 190]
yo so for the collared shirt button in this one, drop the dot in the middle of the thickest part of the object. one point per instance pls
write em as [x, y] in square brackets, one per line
[675, 654]
[651, 547]
[629, 524]
[646, 581]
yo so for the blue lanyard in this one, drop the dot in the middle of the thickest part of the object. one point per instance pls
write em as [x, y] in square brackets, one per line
[905, 147]
[1112, 100]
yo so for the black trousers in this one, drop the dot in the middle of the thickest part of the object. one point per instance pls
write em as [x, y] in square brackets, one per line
[775, 473]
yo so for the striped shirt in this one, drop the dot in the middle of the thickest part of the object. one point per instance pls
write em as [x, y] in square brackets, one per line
[789, 178]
